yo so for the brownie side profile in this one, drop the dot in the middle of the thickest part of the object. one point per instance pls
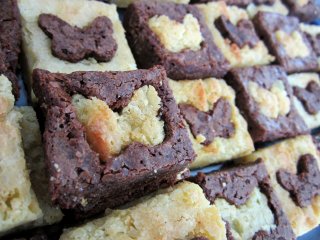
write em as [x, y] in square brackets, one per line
[10, 42]
[286, 41]
[83, 184]
[149, 51]
[238, 3]
[256, 90]
[236, 184]
[307, 12]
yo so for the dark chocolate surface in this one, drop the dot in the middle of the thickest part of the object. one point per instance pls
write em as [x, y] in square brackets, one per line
[242, 34]
[214, 123]
[304, 185]
[267, 24]
[74, 44]
[315, 43]
[235, 185]
[149, 51]
[309, 96]
[261, 127]
[306, 13]
[10, 42]
[136, 171]
[238, 3]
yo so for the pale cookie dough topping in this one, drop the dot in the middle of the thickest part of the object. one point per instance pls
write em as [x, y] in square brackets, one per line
[293, 44]
[109, 132]
[177, 213]
[246, 220]
[201, 94]
[176, 36]
[6, 98]
[273, 102]
[302, 3]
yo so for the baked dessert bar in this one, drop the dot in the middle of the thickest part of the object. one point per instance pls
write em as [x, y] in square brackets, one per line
[180, 212]
[306, 92]
[313, 34]
[47, 47]
[305, 10]
[264, 97]
[217, 130]
[175, 36]
[286, 41]
[274, 6]
[20, 143]
[126, 3]
[110, 137]
[293, 166]
[10, 42]
[234, 34]
[247, 202]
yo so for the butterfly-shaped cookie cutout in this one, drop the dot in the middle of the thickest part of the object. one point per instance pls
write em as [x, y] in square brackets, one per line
[74, 44]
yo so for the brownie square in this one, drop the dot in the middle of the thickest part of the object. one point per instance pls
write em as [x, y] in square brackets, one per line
[306, 11]
[286, 41]
[243, 193]
[294, 162]
[238, 3]
[264, 97]
[10, 42]
[126, 3]
[179, 212]
[217, 130]
[110, 137]
[76, 17]
[234, 34]
[275, 6]
[306, 92]
[313, 34]
[175, 36]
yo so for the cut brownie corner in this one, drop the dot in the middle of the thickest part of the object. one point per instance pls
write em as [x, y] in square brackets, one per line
[306, 11]
[265, 98]
[153, 30]
[10, 42]
[121, 132]
[286, 41]
[246, 188]
[293, 167]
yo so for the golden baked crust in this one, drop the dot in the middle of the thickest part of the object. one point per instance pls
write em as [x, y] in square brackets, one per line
[277, 7]
[302, 80]
[238, 57]
[181, 212]
[34, 155]
[110, 132]
[18, 203]
[6, 98]
[37, 46]
[125, 3]
[286, 155]
[202, 94]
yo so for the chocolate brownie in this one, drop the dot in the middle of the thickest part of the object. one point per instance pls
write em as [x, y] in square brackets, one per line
[286, 41]
[10, 42]
[298, 160]
[237, 187]
[313, 34]
[74, 44]
[305, 185]
[193, 56]
[306, 97]
[238, 3]
[264, 97]
[86, 176]
[234, 34]
[306, 10]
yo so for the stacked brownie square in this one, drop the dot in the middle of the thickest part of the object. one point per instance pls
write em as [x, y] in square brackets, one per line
[215, 81]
